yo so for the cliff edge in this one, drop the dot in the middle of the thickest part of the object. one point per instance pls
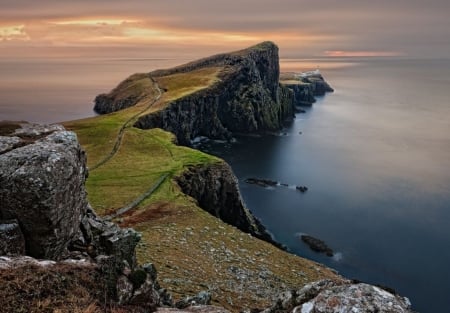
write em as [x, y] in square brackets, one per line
[244, 97]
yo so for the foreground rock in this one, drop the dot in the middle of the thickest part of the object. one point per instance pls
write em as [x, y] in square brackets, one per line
[45, 214]
[42, 186]
[317, 245]
[328, 296]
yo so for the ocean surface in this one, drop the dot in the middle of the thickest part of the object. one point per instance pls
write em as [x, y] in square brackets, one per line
[375, 155]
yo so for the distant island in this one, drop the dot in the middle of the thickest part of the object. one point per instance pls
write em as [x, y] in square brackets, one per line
[185, 238]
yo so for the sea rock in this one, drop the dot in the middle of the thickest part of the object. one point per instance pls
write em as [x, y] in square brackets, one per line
[12, 241]
[42, 186]
[261, 182]
[317, 245]
[327, 296]
[216, 190]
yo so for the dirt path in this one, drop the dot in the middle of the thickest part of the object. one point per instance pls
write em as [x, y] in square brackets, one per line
[129, 122]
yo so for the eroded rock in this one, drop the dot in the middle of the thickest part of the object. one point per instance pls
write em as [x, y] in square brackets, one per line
[42, 186]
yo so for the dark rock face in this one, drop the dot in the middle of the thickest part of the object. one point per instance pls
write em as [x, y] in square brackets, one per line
[216, 190]
[317, 245]
[328, 296]
[12, 241]
[42, 186]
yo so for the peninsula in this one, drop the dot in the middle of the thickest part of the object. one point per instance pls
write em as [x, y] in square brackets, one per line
[185, 236]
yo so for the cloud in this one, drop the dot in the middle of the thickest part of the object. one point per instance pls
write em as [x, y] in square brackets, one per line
[300, 27]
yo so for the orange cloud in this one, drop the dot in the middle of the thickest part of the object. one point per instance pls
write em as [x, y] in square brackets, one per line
[340, 53]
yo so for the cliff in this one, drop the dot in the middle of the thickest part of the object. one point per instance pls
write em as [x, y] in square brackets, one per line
[305, 86]
[216, 190]
[246, 97]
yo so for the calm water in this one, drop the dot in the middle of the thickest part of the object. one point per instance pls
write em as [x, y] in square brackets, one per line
[376, 158]
[375, 155]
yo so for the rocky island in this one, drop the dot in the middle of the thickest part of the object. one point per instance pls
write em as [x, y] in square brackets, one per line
[186, 241]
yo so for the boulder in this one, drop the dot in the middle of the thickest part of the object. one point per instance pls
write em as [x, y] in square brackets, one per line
[203, 298]
[328, 296]
[42, 186]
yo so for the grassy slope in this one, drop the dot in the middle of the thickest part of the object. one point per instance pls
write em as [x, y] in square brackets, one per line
[192, 250]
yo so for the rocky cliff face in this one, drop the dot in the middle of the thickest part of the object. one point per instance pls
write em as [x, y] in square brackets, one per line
[216, 190]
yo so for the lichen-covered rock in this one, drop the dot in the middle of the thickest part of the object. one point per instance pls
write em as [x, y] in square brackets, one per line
[327, 296]
[202, 298]
[42, 186]
[12, 241]
[216, 190]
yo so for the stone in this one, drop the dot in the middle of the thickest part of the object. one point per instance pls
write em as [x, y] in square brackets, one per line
[317, 245]
[146, 295]
[355, 298]
[328, 296]
[12, 241]
[194, 309]
[203, 297]
[42, 186]
[124, 289]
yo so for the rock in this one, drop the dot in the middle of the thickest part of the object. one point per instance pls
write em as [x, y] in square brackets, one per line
[261, 182]
[355, 298]
[317, 245]
[124, 289]
[195, 309]
[12, 241]
[216, 190]
[302, 188]
[203, 297]
[328, 296]
[42, 186]
[146, 295]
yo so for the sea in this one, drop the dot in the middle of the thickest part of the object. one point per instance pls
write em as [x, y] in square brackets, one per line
[374, 154]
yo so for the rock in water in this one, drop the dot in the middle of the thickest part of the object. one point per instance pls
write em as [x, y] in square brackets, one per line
[42, 186]
[317, 245]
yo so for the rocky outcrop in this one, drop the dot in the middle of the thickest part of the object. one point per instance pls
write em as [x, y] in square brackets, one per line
[306, 87]
[45, 214]
[216, 190]
[328, 296]
[42, 186]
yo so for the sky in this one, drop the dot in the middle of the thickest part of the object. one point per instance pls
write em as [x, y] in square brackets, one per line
[168, 28]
